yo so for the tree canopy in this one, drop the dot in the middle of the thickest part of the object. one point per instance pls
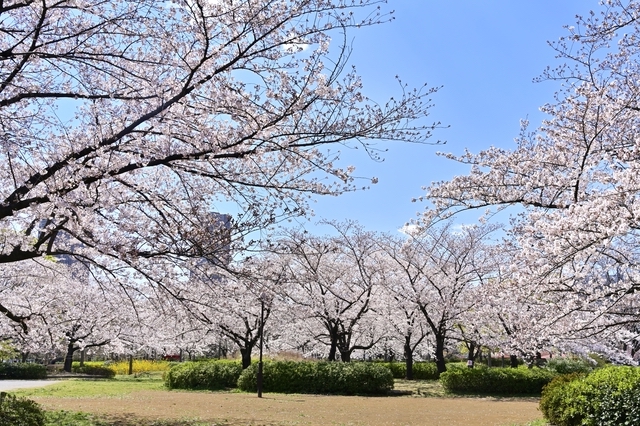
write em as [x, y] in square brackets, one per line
[125, 126]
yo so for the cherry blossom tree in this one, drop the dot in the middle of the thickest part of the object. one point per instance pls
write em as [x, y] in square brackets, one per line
[437, 267]
[575, 179]
[124, 125]
[245, 304]
[65, 314]
[405, 321]
[333, 287]
[233, 304]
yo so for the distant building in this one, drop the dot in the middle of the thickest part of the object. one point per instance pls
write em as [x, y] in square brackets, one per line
[219, 231]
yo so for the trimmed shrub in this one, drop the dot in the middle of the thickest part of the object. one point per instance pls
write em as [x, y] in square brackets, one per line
[607, 397]
[425, 371]
[398, 369]
[421, 370]
[569, 366]
[22, 371]
[94, 370]
[20, 411]
[553, 395]
[203, 375]
[504, 381]
[352, 378]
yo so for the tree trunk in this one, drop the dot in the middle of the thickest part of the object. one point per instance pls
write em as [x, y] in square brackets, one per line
[408, 356]
[246, 356]
[345, 356]
[333, 349]
[439, 354]
[82, 358]
[514, 361]
[470, 356]
[68, 359]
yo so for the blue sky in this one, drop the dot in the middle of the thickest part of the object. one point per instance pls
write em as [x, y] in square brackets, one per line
[485, 54]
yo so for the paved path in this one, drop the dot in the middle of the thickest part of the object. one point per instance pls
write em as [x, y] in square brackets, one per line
[6, 385]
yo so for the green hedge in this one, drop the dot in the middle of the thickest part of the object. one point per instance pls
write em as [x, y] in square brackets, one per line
[94, 370]
[504, 381]
[353, 378]
[203, 375]
[20, 411]
[607, 397]
[421, 370]
[22, 371]
[569, 366]
[552, 396]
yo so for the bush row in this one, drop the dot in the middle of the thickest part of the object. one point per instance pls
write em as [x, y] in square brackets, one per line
[510, 381]
[608, 396]
[203, 375]
[22, 371]
[569, 365]
[353, 378]
[94, 370]
[283, 376]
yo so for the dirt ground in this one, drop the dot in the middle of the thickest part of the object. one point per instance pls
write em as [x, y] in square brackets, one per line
[235, 409]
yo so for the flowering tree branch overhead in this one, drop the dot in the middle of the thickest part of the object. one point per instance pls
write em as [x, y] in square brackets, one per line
[125, 124]
[577, 177]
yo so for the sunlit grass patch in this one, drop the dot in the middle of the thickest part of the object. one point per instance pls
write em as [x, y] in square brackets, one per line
[120, 386]
[70, 418]
[424, 388]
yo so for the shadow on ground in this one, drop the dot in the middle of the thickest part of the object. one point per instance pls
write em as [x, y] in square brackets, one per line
[65, 418]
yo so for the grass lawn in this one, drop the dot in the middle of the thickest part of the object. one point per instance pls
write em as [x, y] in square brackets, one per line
[129, 401]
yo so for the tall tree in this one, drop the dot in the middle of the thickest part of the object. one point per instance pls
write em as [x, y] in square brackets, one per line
[436, 267]
[65, 315]
[334, 284]
[403, 317]
[576, 179]
[125, 124]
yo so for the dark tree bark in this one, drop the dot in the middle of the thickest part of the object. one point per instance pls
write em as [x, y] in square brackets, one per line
[332, 329]
[513, 359]
[408, 356]
[333, 349]
[68, 359]
[440, 335]
[439, 354]
[345, 356]
[471, 346]
[246, 356]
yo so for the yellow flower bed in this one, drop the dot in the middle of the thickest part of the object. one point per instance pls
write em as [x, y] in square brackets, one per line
[122, 367]
[139, 366]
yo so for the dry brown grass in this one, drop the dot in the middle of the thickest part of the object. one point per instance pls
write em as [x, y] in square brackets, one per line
[234, 409]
